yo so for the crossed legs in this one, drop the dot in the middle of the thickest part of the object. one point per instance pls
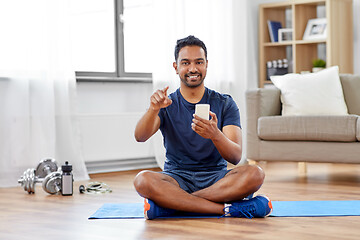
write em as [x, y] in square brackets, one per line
[165, 191]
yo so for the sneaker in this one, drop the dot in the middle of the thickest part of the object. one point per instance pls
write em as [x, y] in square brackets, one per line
[259, 206]
[249, 197]
[151, 210]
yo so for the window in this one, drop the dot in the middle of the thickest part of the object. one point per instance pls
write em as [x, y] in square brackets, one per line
[110, 39]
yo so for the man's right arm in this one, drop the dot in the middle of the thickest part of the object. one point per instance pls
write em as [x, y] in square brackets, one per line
[147, 125]
[150, 122]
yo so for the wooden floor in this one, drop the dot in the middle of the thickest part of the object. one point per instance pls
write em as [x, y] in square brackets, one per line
[43, 216]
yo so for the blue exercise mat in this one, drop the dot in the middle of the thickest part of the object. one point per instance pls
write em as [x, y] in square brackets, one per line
[280, 209]
[315, 208]
[135, 210]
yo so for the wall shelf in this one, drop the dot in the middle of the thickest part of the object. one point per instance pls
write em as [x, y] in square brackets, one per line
[337, 47]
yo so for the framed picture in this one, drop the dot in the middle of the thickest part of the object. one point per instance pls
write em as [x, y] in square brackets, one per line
[315, 29]
[285, 34]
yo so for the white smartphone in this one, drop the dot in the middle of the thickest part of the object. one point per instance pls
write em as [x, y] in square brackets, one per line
[202, 110]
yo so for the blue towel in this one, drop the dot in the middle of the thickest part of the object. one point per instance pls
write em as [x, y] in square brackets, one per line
[280, 209]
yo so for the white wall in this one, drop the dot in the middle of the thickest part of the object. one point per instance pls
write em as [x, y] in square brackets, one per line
[108, 111]
[356, 16]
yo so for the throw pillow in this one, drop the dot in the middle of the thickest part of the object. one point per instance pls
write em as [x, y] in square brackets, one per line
[311, 94]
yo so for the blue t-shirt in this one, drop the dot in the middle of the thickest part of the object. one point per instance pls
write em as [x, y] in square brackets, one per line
[185, 149]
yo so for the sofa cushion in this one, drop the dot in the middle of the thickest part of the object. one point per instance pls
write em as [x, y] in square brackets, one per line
[308, 128]
[311, 94]
[351, 85]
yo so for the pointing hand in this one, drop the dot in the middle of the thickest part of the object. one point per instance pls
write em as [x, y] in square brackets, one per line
[160, 99]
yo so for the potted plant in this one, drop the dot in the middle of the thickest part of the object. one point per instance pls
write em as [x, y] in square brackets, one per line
[318, 65]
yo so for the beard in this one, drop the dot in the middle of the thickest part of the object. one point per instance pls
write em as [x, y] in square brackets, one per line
[192, 83]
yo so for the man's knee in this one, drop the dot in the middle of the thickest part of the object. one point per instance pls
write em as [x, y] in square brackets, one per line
[256, 175]
[142, 182]
[253, 177]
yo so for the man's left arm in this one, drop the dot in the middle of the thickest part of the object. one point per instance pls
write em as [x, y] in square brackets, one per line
[228, 141]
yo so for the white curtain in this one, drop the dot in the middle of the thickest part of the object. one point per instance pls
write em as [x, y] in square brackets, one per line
[223, 30]
[37, 89]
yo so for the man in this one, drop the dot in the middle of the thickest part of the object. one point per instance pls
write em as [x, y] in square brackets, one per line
[195, 177]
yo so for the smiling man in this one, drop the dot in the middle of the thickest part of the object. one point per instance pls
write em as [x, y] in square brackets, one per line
[195, 177]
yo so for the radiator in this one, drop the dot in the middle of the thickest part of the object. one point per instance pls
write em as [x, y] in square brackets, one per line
[109, 145]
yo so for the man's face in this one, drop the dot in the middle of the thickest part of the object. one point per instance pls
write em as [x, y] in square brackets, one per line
[191, 66]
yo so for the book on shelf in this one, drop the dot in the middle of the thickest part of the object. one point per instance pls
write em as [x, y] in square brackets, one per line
[274, 27]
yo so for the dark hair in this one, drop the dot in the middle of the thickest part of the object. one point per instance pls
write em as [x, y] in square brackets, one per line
[188, 41]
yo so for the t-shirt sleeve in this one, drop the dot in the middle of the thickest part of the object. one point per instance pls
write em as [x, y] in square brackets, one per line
[231, 113]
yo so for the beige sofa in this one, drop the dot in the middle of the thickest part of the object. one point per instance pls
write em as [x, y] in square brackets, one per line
[331, 139]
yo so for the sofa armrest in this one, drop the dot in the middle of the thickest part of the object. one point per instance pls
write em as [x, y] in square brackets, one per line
[259, 102]
[265, 100]
[351, 85]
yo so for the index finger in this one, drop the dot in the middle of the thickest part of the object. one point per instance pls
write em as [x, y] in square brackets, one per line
[165, 90]
[200, 119]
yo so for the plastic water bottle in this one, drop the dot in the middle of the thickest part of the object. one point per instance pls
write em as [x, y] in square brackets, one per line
[66, 180]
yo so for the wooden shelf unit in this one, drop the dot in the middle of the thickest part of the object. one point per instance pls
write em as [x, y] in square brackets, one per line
[338, 43]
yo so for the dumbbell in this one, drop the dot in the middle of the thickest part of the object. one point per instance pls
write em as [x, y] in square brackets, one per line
[45, 167]
[52, 183]
[42, 174]
[28, 180]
